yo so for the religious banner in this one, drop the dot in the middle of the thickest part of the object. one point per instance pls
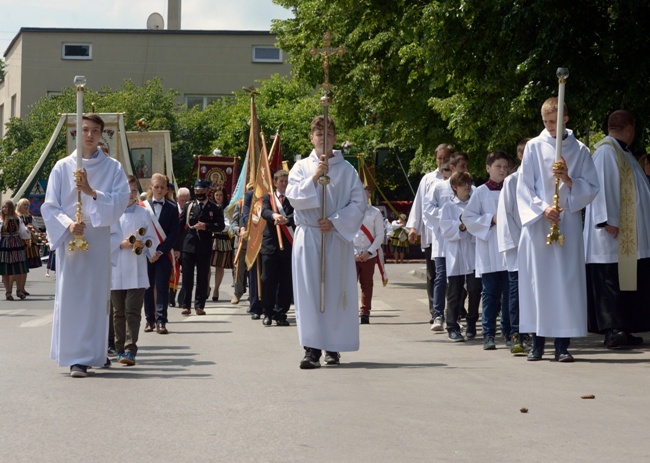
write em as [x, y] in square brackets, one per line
[218, 170]
[263, 185]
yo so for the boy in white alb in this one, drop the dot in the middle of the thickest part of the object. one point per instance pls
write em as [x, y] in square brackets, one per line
[480, 217]
[129, 278]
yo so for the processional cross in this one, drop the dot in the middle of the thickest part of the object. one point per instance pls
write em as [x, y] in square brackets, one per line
[325, 102]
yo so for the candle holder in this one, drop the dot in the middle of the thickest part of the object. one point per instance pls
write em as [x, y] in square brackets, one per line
[79, 242]
[555, 236]
[562, 75]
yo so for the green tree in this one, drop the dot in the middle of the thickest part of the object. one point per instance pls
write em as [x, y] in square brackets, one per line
[25, 140]
[471, 72]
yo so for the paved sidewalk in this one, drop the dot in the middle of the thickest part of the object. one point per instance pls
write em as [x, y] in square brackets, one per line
[224, 388]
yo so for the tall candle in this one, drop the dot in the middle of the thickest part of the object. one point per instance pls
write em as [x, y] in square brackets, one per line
[80, 82]
[562, 74]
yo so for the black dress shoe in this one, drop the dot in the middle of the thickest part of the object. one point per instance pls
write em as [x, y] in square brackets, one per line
[255, 316]
[564, 357]
[282, 322]
[535, 355]
[268, 321]
[616, 339]
[161, 329]
[364, 319]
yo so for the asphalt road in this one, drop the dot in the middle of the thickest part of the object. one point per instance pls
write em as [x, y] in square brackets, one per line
[224, 388]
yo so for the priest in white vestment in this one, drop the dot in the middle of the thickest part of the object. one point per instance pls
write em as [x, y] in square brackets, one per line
[552, 280]
[83, 278]
[617, 239]
[337, 328]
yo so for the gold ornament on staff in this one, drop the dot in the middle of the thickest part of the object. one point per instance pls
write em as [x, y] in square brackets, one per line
[324, 180]
[80, 82]
[562, 73]
[138, 245]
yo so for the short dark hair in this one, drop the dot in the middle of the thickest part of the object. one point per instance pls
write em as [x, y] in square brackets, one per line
[522, 144]
[132, 179]
[620, 119]
[94, 118]
[280, 173]
[457, 157]
[318, 123]
[497, 154]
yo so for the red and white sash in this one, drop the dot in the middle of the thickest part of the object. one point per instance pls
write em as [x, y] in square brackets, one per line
[286, 231]
[380, 255]
[159, 232]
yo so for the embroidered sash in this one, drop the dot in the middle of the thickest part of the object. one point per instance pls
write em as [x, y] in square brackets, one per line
[627, 239]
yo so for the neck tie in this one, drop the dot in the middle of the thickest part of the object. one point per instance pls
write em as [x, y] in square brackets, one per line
[281, 199]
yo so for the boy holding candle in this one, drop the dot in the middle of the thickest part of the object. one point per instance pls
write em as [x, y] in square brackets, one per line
[480, 218]
[552, 281]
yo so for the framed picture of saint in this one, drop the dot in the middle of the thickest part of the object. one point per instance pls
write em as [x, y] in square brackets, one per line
[141, 158]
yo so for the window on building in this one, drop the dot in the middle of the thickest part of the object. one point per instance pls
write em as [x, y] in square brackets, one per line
[77, 51]
[266, 54]
[202, 101]
[13, 106]
[2, 120]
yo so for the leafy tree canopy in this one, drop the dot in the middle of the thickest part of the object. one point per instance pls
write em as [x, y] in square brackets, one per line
[471, 72]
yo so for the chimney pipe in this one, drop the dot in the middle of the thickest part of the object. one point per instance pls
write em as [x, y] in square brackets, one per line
[174, 15]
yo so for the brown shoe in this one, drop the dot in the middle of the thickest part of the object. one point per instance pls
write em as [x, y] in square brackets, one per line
[186, 311]
[148, 328]
[161, 329]
[234, 300]
[200, 312]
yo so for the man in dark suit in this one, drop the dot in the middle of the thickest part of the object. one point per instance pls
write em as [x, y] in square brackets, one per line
[277, 287]
[164, 215]
[198, 220]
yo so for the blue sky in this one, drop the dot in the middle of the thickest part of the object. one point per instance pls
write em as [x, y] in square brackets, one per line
[133, 14]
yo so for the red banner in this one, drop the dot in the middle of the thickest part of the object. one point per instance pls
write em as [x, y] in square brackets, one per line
[219, 170]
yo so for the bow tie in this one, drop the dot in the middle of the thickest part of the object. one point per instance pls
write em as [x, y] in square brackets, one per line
[159, 202]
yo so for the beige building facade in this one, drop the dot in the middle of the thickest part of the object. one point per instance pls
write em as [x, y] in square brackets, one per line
[200, 65]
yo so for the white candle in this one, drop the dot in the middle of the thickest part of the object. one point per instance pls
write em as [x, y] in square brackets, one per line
[562, 74]
[80, 82]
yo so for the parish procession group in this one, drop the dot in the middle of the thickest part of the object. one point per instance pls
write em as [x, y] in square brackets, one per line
[487, 244]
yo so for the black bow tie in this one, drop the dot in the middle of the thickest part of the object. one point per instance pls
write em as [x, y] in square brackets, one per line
[159, 202]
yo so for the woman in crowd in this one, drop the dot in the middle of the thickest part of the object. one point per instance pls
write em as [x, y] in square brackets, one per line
[222, 247]
[31, 246]
[13, 259]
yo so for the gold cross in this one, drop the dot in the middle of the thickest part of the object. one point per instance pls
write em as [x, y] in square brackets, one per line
[326, 52]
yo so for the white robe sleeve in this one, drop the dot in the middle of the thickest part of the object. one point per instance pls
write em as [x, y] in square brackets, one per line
[301, 191]
[605, 207]
[508, 228]
[109, 206]
[347, 221]
[477, 221]
[55, 218]
[584, 181]
[450, 222]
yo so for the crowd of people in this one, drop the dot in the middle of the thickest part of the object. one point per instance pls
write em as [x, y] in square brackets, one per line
[488, 244]
[495, 241]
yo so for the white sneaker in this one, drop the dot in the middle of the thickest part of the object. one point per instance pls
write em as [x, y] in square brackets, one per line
[437, 324]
